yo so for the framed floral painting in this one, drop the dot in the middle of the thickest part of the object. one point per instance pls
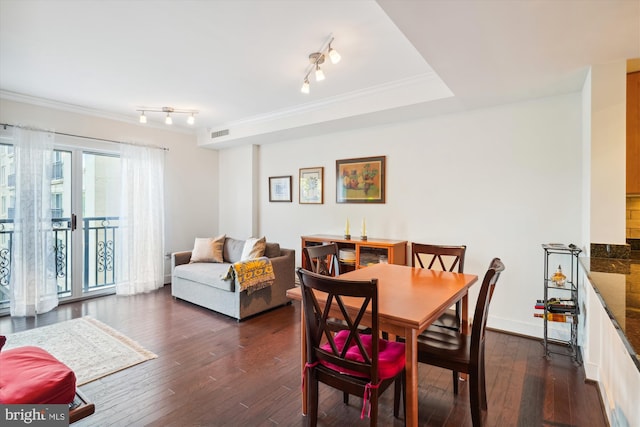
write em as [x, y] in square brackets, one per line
[360, 180]
[311, 186]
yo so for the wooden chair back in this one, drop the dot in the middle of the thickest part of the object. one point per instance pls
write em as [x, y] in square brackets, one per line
[338, 353]
[322, 259]
[321, 327]
[482, 309]
[438, 257]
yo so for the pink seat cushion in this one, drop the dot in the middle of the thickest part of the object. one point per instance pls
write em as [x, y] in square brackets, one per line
[390, 355]
[32, 375]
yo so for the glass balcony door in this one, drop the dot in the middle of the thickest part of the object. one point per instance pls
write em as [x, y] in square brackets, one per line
[99, 220]
[84, 214]
[84, 210]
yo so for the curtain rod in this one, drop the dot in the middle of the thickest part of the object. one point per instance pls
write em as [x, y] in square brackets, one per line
[5, 125]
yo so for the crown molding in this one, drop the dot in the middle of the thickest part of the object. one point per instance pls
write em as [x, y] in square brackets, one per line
[424, 78]
[72, 108]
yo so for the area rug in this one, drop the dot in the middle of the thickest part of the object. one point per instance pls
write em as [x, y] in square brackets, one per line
[89, 347]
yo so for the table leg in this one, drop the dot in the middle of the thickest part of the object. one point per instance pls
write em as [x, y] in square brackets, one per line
[303, 353]
[465, 314]
[465, 325]
[411, 360]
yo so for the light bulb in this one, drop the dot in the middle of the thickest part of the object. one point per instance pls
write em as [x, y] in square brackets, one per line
[334, 55]
[143, 118]
[319, 74]
[305, 86]
[191, 119]
[168, 120]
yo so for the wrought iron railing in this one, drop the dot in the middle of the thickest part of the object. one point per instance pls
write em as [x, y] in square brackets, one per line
[99, 254]
[99, 260]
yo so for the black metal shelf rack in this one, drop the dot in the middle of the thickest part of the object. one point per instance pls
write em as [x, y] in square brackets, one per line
[555, 251]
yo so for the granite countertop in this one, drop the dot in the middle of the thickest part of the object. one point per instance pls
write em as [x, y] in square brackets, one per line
[617, 282]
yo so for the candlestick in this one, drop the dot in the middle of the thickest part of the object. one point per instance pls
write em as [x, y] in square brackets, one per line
[347, 235]
[363, 235]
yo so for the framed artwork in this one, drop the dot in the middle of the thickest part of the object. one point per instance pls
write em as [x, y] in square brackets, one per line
[360, 180]
[280, 188]
[311, 186]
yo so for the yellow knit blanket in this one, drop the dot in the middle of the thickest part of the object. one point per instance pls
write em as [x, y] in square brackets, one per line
[252, 275]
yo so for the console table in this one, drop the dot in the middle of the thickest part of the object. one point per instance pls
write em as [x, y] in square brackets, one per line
[361, 253]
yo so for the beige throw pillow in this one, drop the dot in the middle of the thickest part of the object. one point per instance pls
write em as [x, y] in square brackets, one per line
[253, 248]
[208, 249]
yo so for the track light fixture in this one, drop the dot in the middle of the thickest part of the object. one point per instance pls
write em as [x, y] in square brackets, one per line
[316, 59]
[168, 120]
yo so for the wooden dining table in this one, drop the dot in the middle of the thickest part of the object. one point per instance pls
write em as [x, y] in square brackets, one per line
[409, 300]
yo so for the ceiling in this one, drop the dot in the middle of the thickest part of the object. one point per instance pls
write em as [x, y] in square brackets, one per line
[241, 63]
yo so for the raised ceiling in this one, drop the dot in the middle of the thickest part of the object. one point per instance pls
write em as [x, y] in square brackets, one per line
[241, 63]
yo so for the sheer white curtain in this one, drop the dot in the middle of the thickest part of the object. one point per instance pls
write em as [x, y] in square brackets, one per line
[141, 230]
[33, 283]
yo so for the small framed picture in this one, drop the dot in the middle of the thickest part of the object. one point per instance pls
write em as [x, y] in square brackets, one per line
[311, 186]
[280, 188]
[360, 180]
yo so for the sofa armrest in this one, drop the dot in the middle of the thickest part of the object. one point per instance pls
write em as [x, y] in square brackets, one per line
[179, 258]
[284, 268]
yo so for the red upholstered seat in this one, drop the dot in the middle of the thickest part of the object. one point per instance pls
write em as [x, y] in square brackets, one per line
[390, 355]
[32, 375]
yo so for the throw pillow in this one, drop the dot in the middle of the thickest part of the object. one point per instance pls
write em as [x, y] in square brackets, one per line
[207, 249]
[253, 248]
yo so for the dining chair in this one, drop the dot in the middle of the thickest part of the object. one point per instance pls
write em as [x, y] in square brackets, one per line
[322, 259]
[338, 355]
[454, 350]
[444, 258]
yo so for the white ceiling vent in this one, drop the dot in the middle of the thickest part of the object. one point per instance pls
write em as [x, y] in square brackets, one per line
[219, 133]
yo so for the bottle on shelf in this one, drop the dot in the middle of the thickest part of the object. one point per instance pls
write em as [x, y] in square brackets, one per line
[558, 277]
[557, 305]
[556, 317]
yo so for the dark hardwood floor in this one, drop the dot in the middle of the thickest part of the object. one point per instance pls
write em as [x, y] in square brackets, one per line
[214, 371]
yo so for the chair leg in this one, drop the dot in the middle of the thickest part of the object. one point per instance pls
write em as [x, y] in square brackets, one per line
[345, 397]
[474, 399]
[312, 402]
[404, 396]
[483, 385]
[400, 386]
[373, 420]
[456, 375]
[396, 397]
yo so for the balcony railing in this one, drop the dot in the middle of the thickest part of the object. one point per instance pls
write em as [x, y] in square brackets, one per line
[99, 254]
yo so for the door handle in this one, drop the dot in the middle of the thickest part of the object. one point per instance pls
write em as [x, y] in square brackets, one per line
[74, 221]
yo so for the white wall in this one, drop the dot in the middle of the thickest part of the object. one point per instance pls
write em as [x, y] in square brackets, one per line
[191, 173]
[237, 187]
[502, 180]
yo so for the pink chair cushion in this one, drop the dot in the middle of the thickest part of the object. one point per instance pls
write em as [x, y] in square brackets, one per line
[32, 375]
[390, 355]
